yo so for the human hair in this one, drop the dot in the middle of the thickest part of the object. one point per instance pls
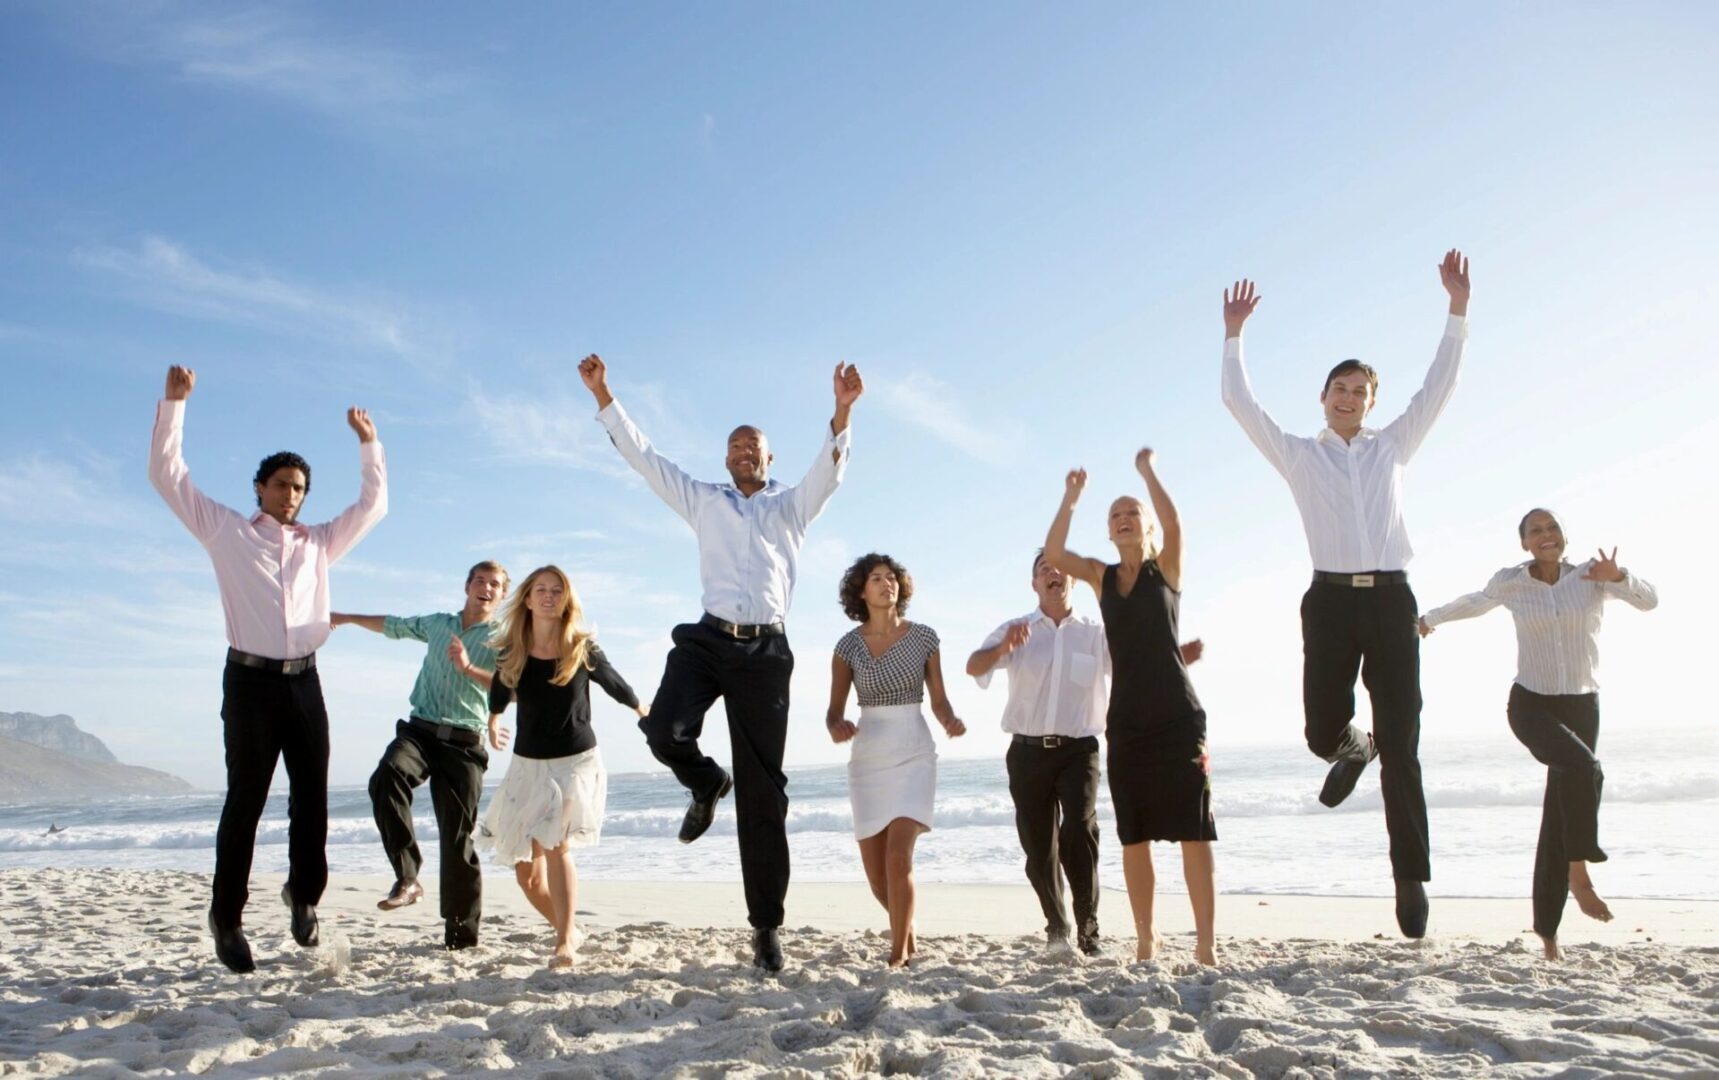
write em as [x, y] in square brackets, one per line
[1038, 556]
[853, 585]
[1522, 526]
[275, 462]
[493, 567]
[1350, 366]
[513, 641]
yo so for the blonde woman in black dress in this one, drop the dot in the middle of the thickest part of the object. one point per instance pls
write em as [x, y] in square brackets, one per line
[1160, 786]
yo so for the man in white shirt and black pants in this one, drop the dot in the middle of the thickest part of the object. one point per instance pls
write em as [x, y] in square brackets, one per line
[1359, 615]
[749, 537]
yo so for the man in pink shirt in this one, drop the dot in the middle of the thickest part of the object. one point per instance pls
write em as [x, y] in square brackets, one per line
[273, 576]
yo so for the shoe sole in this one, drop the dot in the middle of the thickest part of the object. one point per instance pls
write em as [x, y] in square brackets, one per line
[727, 786]
[1340, 782]
[390, 904]
[315, 935]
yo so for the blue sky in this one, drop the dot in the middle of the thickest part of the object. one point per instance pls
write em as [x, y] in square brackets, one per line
[1016, 220]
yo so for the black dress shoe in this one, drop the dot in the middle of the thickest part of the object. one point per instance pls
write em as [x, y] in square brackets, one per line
[702, 812]
[1346, 771]
[231, 948]
[767, 949]
[459, 935]
[403, 893]
[304, 925]
[1412, 908]
[1087, 940]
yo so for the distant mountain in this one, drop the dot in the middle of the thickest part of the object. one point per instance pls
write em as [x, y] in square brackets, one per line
[48, 757]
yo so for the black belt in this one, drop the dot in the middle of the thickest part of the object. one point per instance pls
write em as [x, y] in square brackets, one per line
[263, 663]
[742, 631]
[1363, 581]
[1051, 742]
[448, 733]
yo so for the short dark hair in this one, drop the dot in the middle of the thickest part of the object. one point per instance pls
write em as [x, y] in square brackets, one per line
[853, 585]
[1350, 366]
[274, 463]
[1522, 526]
[1038, 556]
[493, 567]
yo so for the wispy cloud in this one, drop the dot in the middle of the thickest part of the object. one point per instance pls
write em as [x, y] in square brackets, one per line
[161, 274]
[558, 428]
[927, 402]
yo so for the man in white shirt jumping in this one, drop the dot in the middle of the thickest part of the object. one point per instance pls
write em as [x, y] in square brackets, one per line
[749, 535]
[1359, 615]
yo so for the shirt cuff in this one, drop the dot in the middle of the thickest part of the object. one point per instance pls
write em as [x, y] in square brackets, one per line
[391, 626]
[612, 416]
[370, 453]
[1456, 326]
[842, 439]
[171, 409]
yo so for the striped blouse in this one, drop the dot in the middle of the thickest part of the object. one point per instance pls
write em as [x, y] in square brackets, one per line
[1556, 625]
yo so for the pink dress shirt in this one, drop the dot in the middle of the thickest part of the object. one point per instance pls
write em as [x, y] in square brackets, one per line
[273, 577]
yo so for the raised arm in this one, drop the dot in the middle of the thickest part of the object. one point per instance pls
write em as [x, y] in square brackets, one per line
[997, 649]
[1170, 522]
[1057, 554]
[831, 463]
[1616, 581]
[343, 533]
[1239, 301]
[1410, 429]
[168, 472]
[670, 482]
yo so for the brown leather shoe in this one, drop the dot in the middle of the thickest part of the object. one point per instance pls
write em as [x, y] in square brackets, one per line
[405, 893]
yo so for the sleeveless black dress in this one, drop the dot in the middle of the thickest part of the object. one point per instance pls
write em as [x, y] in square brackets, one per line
[1156, 729]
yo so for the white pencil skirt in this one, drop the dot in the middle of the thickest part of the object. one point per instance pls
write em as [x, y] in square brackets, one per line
[892, 772]
[549, 800]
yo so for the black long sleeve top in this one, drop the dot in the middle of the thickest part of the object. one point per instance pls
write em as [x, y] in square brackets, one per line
[555, 721]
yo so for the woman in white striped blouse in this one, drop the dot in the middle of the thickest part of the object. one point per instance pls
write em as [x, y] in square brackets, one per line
[1554, 704]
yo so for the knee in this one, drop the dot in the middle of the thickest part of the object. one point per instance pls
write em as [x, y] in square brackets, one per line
[522, 874]
[385, 780]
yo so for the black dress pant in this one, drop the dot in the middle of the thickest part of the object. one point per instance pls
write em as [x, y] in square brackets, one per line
[751, 677]
[1345, 630]
[455, 773]
[268, 717]
[1561, 730]
[1055, 791]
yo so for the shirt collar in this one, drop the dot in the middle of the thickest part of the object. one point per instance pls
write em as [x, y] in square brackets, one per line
[771, 485]
[1326, 435]
[1074, 616]
[259, 518]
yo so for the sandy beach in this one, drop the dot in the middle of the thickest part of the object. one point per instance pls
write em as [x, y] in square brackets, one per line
[112, 973]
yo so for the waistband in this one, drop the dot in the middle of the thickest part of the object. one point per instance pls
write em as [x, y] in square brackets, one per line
[448, 733]
[1053, 742]
[742, 631]
[1363, 581]
[264, 663]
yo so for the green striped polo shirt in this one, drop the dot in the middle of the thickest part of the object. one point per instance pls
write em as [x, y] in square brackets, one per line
[441, 693]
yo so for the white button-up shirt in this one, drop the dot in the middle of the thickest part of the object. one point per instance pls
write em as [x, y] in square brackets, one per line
[1057, 678]
[748, 548]
[1350, 494]
[273, 578]
[1557, 625]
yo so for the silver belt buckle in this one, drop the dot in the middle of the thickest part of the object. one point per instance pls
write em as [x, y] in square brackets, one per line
[1051, 742]
[1362, 581]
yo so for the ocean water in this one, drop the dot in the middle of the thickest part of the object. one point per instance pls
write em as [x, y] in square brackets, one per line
[1659, 823]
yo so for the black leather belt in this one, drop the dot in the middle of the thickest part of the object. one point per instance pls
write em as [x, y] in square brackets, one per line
[263, 663]
[1051, 742]
[448, 733]
[1363, 581]
[742, 631]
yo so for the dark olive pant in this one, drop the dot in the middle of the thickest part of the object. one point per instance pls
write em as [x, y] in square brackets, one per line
[266, 718]
[1372, 631]
[1055, 791]
[1561, 731]
[751, 677]
[455, 773]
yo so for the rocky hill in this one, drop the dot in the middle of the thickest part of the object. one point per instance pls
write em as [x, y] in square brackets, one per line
[49, 757]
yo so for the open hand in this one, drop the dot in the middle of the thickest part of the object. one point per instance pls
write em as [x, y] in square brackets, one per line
[1239, 302]
[849, 385]
[359, 420]
[1454, 273]
[180, 382]
[1073, 485]
[498, 737]
[1604, 568]
[842, 730]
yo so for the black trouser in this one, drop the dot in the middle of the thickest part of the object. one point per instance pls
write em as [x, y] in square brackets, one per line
[1055, 791]
[1560, 730]
[268, 717]
[751, 677]
[1371, 630]
[455, 773]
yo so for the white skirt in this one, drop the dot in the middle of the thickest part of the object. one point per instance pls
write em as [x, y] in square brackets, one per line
[892, 772]
[549, 800]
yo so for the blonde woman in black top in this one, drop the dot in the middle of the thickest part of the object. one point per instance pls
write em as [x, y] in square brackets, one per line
[551, 800]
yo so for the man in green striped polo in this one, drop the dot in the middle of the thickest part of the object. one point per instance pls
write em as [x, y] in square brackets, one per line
[442, 742]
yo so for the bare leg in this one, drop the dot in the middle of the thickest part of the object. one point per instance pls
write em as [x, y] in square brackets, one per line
[563, 887]
[902, 835]
[1142, 881]
[530, 876]
[1199, 871]
[1582, 888]
[872, 850]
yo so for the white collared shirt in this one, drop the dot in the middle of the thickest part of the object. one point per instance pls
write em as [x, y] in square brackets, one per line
[273, 577]
[748, 548]
[1557, 625]
[1057, 678]
[1350, 493]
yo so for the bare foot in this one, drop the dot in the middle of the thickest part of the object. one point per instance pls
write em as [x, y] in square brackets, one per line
[1206, 952]
[1589, 900]
[1550, 944]
[563, 958]
[1148, 946]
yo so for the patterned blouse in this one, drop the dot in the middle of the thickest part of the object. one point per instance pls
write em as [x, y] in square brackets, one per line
[898, 676]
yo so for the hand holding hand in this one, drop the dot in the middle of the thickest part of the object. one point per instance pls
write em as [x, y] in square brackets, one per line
[849, 385]
[1239, 302]
[643, 710]
[1454, 273]
[842, 730]
[1604, 568]
[359, 420]
[180, 382]
[1421, 625]
[1073, 486]
[498, 736]
[335, 620]
[457, 655]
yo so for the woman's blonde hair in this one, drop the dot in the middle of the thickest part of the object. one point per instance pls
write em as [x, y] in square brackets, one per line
[513, 641]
